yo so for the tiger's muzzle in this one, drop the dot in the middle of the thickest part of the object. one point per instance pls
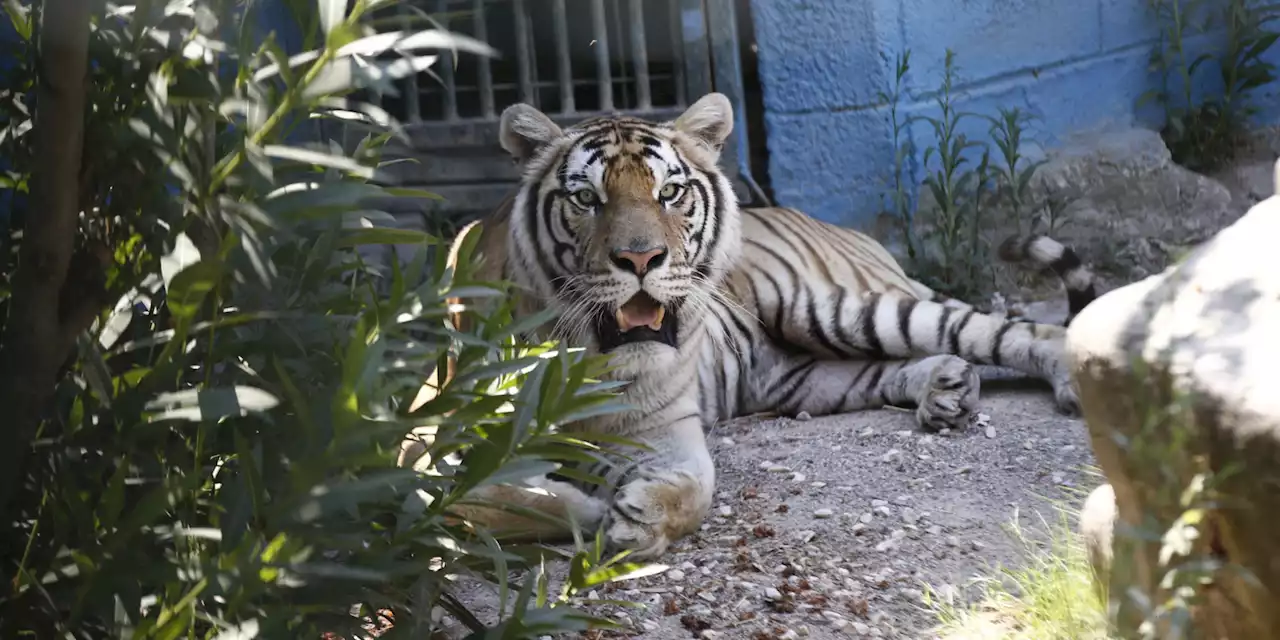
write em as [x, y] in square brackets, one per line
[640, 319]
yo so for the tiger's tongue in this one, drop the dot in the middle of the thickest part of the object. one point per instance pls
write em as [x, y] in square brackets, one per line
[640, 311]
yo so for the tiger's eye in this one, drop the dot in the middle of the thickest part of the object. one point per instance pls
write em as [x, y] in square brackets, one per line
[670, 192]
[586, 197]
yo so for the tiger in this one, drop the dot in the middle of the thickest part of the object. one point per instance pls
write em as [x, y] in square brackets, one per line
[708, 311]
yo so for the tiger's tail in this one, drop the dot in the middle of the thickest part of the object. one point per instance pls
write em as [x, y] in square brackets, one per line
[1043, 252]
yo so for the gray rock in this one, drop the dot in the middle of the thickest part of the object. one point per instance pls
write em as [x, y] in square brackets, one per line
[1194, 345]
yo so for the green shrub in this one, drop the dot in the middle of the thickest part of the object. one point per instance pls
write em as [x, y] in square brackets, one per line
[947, 248]
[1204, 132]
[216, 455]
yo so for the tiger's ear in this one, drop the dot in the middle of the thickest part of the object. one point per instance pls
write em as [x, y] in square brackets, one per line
[524, 130]
[709, 120]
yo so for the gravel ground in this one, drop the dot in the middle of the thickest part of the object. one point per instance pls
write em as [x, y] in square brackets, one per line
[831, 527]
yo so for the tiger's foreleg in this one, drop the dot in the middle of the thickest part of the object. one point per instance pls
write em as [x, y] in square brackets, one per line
[667, 495]
[943, 388]
[503, 510]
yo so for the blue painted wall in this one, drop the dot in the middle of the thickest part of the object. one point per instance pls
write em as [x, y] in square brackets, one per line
[1076, 65]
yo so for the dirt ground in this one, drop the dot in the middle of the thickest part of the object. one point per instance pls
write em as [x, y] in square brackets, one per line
[835, 527]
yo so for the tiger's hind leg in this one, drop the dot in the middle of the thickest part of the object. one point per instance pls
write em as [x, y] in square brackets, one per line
[894, 326]
[944, 389]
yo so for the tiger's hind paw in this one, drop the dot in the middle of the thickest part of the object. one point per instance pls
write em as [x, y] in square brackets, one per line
[1064, 396]
[951, 397]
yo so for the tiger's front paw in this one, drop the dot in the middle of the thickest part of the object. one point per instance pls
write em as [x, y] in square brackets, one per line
[951, 397]
[653, 511]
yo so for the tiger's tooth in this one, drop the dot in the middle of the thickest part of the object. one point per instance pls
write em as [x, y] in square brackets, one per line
[621, 318]
[657, 322]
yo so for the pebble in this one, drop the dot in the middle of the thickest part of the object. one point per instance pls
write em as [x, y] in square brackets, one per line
[728, 442]
[798, 477]
[806, 536]
[803, 416]
[891, 455]
[725, 510]
[772, 594]
[789, 634]
[953, 541]
[879, 503]
[977, 545]
[991, 431]
[648, 625]
[909, 515]
[865, 518]
[710, 633]
[867, 433]
[884, 511]
[817, 485]
[675, 575]
[1029, 445]
[707, 595]
[777, 468]
[861, 628]
[823, 513]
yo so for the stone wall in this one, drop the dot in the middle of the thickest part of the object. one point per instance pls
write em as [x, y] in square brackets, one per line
[1079, 66]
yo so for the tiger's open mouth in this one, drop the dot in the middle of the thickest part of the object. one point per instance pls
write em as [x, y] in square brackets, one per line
[640, 319]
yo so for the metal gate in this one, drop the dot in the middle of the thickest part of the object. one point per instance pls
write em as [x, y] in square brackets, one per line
[572, 59]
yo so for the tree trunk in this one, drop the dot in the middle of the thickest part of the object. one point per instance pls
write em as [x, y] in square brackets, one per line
[39, 333]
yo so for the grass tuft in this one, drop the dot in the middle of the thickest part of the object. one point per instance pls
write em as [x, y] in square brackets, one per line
[1050, 597]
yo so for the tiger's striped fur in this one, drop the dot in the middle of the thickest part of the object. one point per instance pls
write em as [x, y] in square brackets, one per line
[762, 309]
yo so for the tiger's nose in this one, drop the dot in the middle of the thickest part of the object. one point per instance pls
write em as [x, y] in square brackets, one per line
[638, 262]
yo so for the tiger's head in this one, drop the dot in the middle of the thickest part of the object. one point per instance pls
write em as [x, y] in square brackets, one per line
[628, 225]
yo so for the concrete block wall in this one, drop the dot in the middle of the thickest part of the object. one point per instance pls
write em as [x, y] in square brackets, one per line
[1077, 66]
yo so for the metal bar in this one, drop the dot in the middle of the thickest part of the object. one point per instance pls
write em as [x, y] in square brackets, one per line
[722, 16]
[533, 54]
[622, 82]
[523, 51]
[504, 86]
[640, 51]
[697, 53]
[448, 61]
[562, 54]
[486, 74]
[412, 94]
[677, 52]
[604, 75]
